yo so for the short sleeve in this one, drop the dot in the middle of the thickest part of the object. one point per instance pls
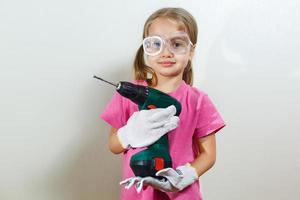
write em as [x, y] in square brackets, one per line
[116, 111]
[209, 120]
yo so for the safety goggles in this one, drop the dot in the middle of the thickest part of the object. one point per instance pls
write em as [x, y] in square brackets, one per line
[178, 43]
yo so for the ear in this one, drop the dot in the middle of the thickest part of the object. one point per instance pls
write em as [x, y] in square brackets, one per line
[192, 53]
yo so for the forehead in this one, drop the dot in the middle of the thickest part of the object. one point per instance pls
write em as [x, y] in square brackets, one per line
[165, 27]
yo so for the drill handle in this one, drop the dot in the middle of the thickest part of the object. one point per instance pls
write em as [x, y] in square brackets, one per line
[158, 99]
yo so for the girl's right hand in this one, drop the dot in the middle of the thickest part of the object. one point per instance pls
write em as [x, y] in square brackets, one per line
[145, 127]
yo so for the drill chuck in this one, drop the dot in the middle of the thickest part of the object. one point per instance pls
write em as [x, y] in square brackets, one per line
[136, 93]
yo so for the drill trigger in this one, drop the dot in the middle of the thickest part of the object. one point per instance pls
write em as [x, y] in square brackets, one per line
[151, 107]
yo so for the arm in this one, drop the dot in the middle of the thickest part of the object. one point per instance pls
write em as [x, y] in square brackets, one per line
[207, 154]
[114, 143]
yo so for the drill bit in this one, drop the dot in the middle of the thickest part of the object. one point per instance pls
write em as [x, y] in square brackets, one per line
[106, 81]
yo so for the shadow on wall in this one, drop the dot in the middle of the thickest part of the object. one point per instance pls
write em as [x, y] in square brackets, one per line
[92, 172]
[256, 41]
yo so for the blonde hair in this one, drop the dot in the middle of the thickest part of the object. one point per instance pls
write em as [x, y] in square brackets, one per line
[186, 22]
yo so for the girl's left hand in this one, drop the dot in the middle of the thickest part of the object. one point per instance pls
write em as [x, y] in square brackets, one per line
[175, 180]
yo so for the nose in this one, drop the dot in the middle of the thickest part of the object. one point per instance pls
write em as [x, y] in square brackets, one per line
[166, 53]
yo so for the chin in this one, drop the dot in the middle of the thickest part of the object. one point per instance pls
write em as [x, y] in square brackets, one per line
[170, 74]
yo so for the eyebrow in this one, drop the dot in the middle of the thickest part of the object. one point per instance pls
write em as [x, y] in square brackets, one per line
[172, 34]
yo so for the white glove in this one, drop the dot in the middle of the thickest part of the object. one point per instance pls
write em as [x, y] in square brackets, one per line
[176, 180]
[145, 127]
[139, 182]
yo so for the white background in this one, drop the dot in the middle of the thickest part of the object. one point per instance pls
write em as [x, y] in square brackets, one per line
[53, 144]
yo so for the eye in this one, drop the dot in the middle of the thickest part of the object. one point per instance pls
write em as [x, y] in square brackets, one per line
[178, 44]
[156, 44]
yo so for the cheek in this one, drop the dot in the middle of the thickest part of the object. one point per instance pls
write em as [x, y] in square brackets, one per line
[150, 60]
[183, 60]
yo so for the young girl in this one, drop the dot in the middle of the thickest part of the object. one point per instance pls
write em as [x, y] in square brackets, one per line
[164, 62]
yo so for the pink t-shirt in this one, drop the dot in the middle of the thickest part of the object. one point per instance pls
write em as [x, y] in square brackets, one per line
[198, 118]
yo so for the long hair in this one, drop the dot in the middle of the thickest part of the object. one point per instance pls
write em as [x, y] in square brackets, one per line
[186, 22]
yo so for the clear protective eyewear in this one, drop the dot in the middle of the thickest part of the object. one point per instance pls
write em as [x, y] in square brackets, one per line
[177, 43]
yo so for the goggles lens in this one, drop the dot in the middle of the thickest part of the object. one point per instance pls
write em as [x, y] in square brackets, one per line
[179, 44]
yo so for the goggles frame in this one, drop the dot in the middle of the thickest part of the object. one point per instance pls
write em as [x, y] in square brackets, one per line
[165, 42]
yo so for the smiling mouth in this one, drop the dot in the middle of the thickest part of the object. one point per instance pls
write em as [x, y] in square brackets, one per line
[166, 63]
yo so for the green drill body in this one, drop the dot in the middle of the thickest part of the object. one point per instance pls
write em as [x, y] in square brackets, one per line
[157, 155]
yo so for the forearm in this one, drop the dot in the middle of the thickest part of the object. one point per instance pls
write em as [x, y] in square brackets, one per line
[114, 143]
[203, 163]
[207, 155]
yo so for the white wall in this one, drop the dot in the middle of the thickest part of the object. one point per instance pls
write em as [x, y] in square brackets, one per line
[53, 144]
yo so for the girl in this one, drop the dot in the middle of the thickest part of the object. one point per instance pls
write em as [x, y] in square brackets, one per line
[164, 62]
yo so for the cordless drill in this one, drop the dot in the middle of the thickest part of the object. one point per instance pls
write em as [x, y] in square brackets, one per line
[156, 157]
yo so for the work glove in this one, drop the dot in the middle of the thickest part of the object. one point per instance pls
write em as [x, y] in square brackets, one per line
[145, 127]
[174, 180]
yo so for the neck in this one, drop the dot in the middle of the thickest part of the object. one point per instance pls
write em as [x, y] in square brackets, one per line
[168, 85]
